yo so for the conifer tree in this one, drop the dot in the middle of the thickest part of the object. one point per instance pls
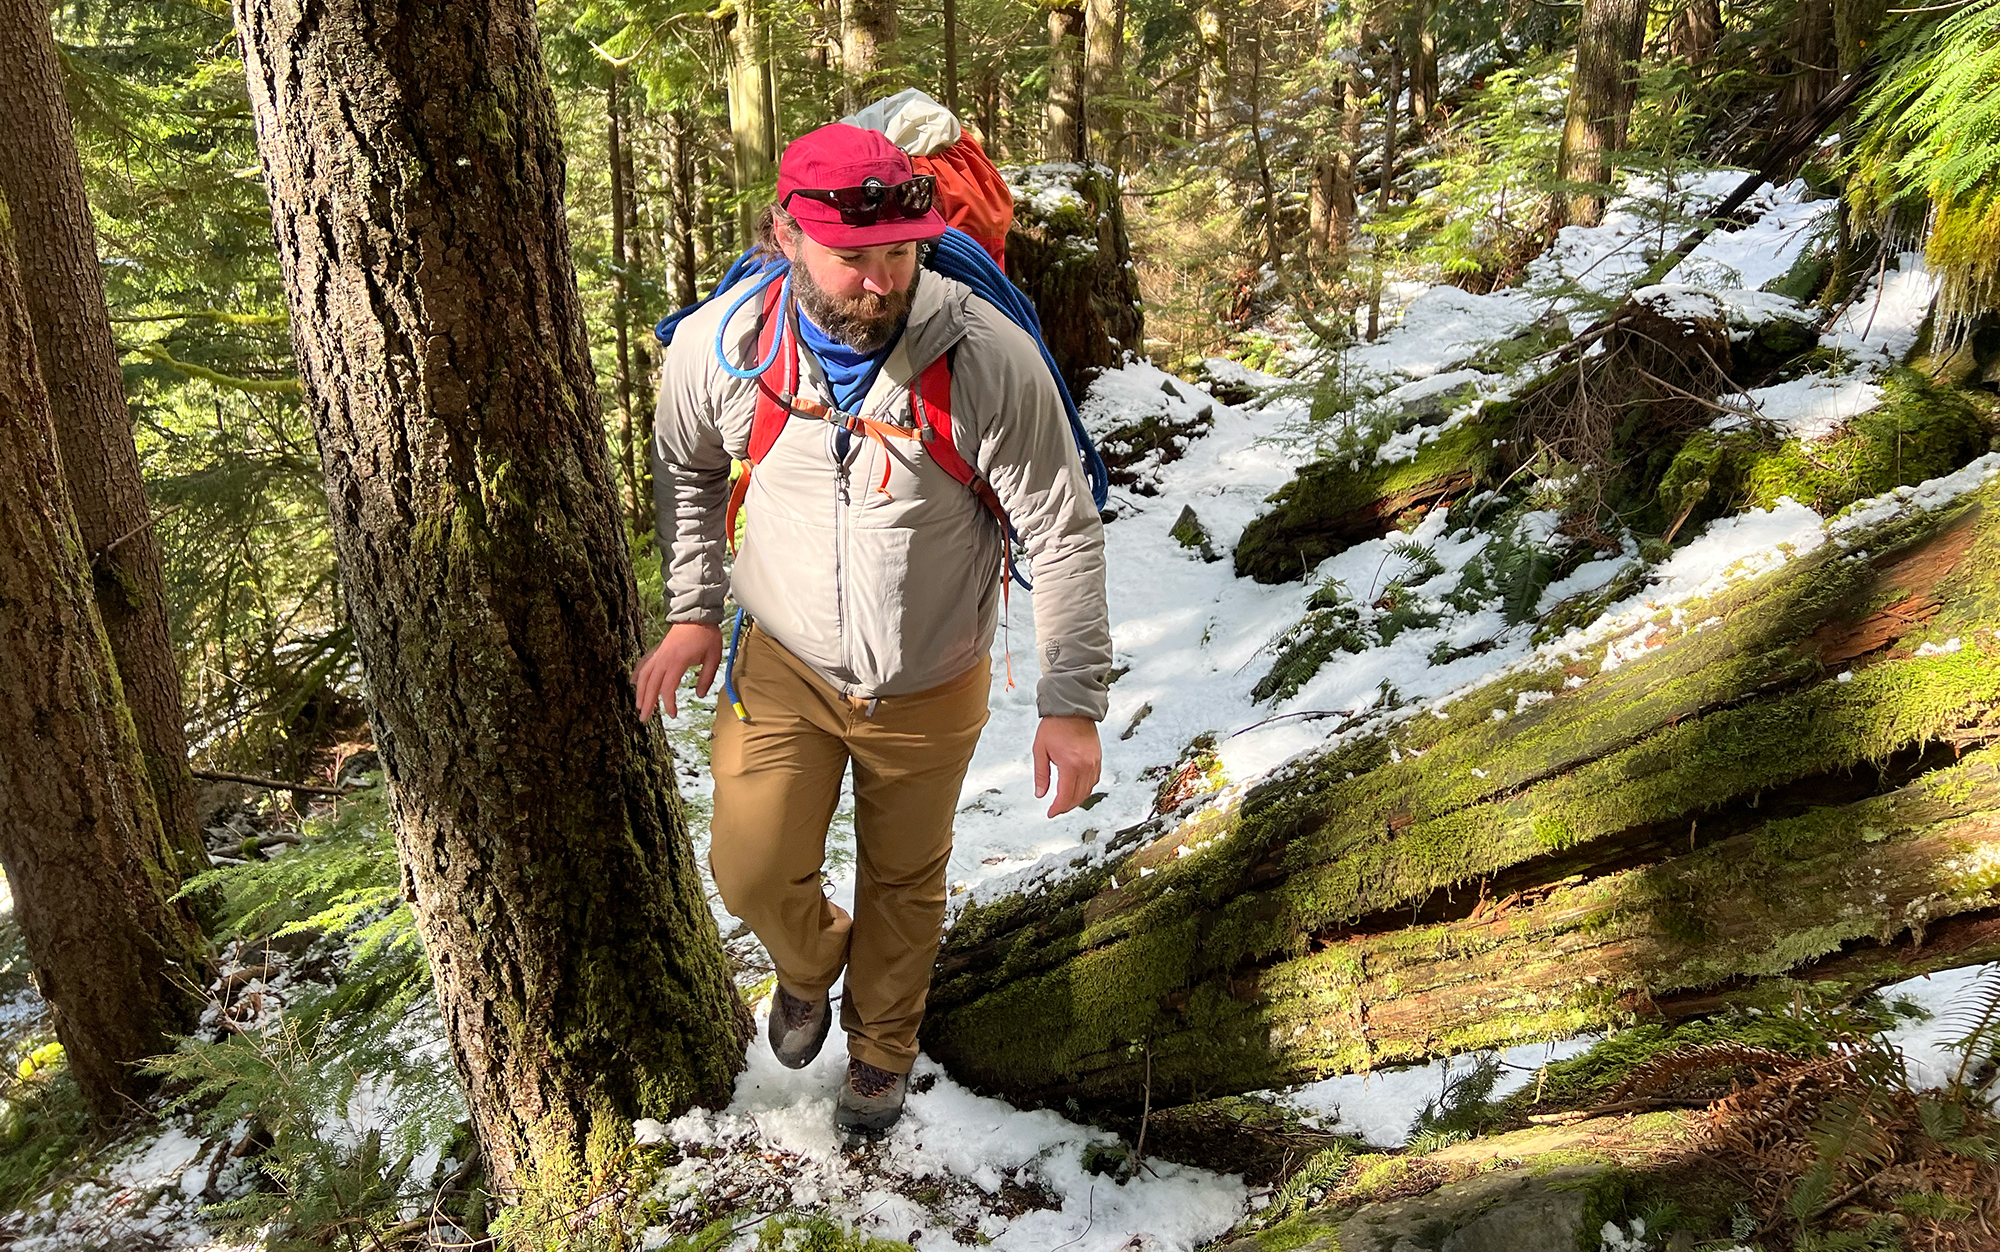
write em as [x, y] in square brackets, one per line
[42, 180]
[416, 176]
[1608, 41]
[119, 960]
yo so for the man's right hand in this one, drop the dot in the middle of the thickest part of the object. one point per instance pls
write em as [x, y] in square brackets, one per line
[659, 674]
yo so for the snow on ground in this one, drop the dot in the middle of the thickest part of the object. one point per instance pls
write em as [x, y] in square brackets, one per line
[956, 1162]
[146, 1194]
[1951, 1001]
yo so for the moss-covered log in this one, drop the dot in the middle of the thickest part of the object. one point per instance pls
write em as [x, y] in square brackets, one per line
[1777, 777]
[1330, 506]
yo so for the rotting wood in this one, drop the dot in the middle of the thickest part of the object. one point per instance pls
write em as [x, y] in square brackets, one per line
[1560, 888]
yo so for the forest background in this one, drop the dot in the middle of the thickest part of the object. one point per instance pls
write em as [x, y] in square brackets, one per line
[1280, 169]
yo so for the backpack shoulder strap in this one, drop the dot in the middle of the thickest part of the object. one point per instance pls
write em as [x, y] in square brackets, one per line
[931, 399]
[769, 421]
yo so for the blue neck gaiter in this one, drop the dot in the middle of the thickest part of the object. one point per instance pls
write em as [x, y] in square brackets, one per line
[849, 373]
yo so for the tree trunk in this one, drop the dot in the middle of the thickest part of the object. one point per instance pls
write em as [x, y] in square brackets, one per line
[687, 267]
[41, 180]
[1073, 257]
[447, 374]
[1346, 179]
[1422, 58]
[92, 872]
[1213, 33]
[621, 309]
[1064, 133]
[1657, 839]
[1811, 46]
[753, 115]
[1694, 31]
[989, 116]
[1103, 49]
[1609, 38]
[867, 50]
[1273, 244]
[950, 93]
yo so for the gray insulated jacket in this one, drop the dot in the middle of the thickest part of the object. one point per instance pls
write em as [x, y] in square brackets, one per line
[886, 593]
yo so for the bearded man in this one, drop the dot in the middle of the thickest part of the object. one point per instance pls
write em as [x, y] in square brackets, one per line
[873, 581]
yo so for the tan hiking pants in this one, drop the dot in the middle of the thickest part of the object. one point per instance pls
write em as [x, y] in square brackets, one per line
[777, 782]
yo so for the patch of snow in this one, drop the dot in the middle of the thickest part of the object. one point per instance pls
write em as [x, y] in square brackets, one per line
[1948, 1000]
[1809, 408]
[968, 1144]
[1381, 1107]
[1881, 326]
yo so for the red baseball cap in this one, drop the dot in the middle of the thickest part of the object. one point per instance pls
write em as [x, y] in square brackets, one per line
[847, 156]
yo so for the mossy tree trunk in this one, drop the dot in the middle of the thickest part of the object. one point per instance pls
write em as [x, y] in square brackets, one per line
[92, 872]
[1609, 37]
[1775, 790]
[1072, 255]
[415, 168]
[42, 182]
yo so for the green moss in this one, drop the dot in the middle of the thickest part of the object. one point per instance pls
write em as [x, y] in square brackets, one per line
[1330, 505]
[805, 1232]
[1297, 1232]
[1920, 431]
[48, 1128]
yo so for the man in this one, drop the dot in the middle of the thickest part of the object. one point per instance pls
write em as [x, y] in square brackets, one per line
[873, 579]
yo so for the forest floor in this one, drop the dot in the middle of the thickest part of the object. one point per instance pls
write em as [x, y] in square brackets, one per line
[1192, 640]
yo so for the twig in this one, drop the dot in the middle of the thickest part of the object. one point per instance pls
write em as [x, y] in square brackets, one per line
[271, 784]
[104, 553]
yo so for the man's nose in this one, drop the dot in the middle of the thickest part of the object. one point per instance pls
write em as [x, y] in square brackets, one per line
[875, 277]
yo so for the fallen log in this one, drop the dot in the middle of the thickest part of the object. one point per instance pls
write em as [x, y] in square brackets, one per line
[1775, 781]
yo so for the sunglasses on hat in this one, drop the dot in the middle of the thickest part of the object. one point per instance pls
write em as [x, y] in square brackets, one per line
[874, 199]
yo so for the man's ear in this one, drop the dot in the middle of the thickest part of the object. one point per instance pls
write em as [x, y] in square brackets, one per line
[787, 236]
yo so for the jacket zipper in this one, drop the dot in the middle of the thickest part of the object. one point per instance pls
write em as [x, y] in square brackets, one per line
[840, 505]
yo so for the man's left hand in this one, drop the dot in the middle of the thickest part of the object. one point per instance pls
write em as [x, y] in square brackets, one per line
[1069, 744]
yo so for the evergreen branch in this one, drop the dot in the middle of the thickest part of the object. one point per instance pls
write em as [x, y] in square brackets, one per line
[230, 381]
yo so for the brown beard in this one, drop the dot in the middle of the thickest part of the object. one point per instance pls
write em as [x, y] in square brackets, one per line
[865, 323]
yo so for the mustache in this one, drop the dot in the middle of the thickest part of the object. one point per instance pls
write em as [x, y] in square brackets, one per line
[864, 322]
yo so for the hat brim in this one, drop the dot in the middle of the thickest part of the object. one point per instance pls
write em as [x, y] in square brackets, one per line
[831, 232]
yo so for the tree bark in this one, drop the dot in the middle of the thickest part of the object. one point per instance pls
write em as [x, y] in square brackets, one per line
[416, 169]
[1103, 55]
[867, 50]
[1609, 38]
[753, 115]
[91, 869]
[950, 93]
[1655, 838]
[621, 309]
[1213, 33]
[1273, 241]
[1694, 31]
[685, 208]
[1422, 59]
[42, 182]
[1063, 133]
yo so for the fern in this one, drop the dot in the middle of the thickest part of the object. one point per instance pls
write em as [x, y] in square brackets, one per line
[1928, 159]
[1313, 1180]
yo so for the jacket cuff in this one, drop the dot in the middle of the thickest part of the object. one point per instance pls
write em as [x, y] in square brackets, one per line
[1072, 695]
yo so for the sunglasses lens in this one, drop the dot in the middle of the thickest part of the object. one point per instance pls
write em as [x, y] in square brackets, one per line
[864, 205]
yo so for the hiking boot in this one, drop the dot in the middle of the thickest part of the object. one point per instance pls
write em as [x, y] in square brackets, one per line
[798, 1028]
[871, 1099]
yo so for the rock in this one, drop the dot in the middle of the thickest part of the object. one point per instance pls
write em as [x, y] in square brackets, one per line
[1069, 251]
[1189, 533]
